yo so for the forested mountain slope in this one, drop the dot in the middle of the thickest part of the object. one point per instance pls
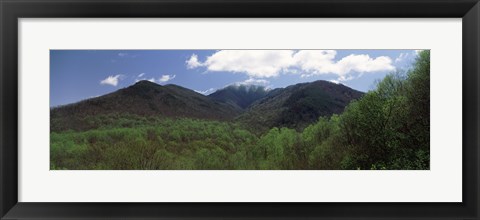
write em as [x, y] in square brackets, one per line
[299, 105]
[143, 99]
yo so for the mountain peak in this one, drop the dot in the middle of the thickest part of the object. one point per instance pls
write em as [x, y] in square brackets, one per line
[297, 106]
[145, 83]
[144, 99]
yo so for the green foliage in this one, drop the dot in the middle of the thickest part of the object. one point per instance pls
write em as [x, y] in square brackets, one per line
[388, 128]
[165, 144]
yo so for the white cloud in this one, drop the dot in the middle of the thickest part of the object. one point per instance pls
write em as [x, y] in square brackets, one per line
[254, 63]
[193, 62]
[111, 80]
[206, 92]
[162, 79]
[140, 79]
[418, 51]
[166, 78]
[335, 81]
[253, 81]
[122, 54]
[322, 62]
[271, 63]
[316, 61]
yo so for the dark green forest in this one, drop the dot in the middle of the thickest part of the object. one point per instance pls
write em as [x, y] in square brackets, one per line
[387, 128]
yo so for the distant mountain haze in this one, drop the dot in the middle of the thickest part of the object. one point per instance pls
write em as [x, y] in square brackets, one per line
[240, 96]
[295, 106]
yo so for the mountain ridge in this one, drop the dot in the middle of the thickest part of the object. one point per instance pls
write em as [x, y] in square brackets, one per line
[299, 105]
[294, 106]
[145, 98]
[240, 96]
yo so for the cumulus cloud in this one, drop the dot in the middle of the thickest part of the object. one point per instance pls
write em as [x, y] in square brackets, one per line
[111, 80]
[271, 63]
[255, 63]
[193, 62]
[166, 78]
[316, 62]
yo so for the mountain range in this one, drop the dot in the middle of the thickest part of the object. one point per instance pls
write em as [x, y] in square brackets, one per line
[295, 106]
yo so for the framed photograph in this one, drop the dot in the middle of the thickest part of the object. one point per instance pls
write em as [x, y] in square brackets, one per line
[226, 109]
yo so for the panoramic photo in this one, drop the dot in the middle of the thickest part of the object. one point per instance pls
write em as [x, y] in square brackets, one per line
[240, 109]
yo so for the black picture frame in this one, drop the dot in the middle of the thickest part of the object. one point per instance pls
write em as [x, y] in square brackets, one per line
[12, 10]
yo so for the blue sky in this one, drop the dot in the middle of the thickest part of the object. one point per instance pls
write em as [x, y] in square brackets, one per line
[81, 74]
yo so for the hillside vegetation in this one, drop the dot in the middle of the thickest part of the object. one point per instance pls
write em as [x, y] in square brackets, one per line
[387, 128]
[298, 106]
[144, 99]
